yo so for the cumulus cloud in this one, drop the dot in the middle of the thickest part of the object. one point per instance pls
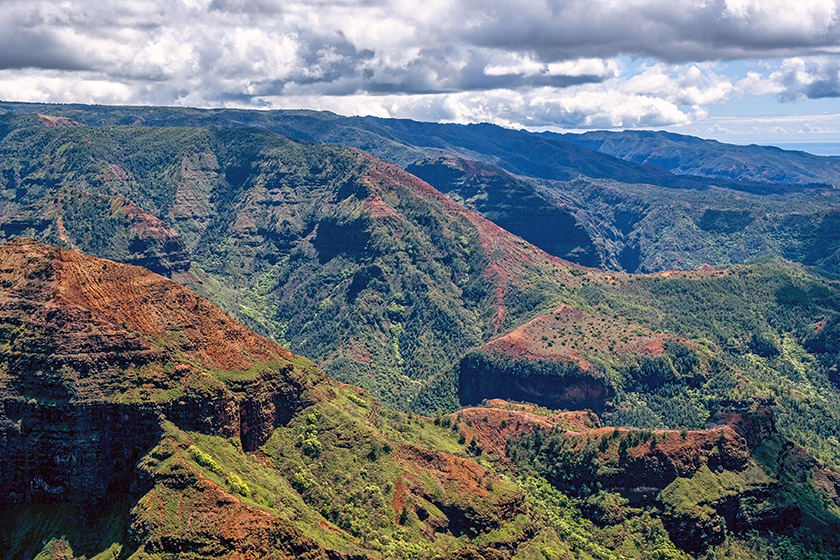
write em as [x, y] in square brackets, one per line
[659, 95]
[518, 62]
[797, 78]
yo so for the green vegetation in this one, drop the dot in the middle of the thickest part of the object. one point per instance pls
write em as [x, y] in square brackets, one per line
[205, 460]
[315, 246]
[392, 288]
[393, 304]
[724, 314]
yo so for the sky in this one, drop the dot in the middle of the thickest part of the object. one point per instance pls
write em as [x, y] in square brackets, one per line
[763, 71]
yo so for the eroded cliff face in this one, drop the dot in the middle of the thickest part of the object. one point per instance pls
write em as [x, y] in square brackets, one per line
[137, 406]
[553, 383]
[468, 507]
[59, 452]
[211, 521]
[95, 355]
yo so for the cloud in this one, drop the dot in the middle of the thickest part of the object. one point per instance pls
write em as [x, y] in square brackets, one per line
[655, 97]
[54, 86]
[770, 129]
[797, 78]
[558, 62]
[675, 31]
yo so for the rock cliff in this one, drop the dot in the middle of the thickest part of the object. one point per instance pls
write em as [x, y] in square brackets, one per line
[95, 353]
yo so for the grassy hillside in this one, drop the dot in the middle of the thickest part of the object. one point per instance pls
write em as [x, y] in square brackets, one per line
[677, 347]
[681, 203]
[344, 258]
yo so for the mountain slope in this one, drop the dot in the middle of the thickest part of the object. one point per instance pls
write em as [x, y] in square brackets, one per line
[404, 141]
[644, 228]
[343, 257]
[611, 211]
[548, 218]
[131, 402]
[389, 285]
[689, 155]
[140, 422]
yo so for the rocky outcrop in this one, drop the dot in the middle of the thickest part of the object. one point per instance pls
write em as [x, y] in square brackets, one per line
[460, 493]
[553, 383]
[753, 419]
[95, 355]
[617, 459]
[700, 509]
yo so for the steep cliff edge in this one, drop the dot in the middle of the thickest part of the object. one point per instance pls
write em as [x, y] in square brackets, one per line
[138, 420]
[738, 476]
[94, 352]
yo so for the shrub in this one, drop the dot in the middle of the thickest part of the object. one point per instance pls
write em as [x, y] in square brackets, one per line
[236, 484]
[302, 481]
[357, 400]
[311, 446]
[205, 460]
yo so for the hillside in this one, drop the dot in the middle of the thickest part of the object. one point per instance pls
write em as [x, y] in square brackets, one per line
[547, 218]
[645, 228]
[140, 422]
[341, 256]
[403, 141]
[390, 285]
[613, 213]
[689, 155]
[671, 350]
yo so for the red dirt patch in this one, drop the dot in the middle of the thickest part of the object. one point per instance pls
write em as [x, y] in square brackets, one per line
[103, 299]
[572, 335]
[492, 427]
[49, 120]
[379, 208]
[455, 474]
[217, 523]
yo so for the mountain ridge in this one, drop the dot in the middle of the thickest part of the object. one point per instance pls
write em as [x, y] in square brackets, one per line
[330, 473]
[402, 141]
[625, 238]
[692, 155]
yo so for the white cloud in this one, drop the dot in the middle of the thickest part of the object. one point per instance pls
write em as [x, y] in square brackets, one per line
[578, 107]
[769, 129]
[518, 62]
[797, 78]
[52, 86]
[693, 84]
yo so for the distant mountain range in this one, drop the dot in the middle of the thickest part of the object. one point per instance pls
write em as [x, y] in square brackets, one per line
[735, 203]
[689, 155]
